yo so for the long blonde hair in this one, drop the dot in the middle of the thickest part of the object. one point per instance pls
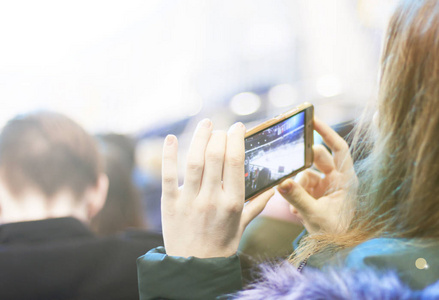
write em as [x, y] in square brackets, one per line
[398, 192]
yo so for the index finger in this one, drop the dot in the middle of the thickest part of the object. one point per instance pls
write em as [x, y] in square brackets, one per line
[233, 176]
[297, 196]
[336, 143]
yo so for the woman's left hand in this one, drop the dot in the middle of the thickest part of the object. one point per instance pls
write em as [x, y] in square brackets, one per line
[206, 216]
[319, 198]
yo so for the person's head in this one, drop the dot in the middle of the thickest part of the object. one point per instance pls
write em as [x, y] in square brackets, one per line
[123, 207]
[125, 144]
[404, 166]
[398, 194]
[49, 167]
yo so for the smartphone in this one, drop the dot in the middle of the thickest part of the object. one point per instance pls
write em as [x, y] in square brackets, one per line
[277, 149]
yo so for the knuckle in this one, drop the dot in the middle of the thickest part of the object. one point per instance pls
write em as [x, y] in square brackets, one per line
[195, 166]
[307, 173]
[319, 147]
[233, 208]
[343, 146]
[319, 150]
[235, 160]
[167, 180]
[214, 156]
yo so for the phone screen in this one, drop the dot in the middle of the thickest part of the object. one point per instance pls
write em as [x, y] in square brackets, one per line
[273, 153]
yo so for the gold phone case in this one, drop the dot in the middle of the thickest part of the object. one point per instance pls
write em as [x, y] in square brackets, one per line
[309, 140]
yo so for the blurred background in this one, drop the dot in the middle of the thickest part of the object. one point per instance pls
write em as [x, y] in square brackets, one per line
[149, 68]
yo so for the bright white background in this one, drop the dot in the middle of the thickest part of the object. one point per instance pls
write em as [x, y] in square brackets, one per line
[130, 65]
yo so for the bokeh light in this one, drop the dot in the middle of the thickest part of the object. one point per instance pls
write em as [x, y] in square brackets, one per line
[283, 95]
[245, 103]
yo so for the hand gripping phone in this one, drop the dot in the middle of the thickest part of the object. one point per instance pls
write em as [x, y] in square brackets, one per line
[277, 149]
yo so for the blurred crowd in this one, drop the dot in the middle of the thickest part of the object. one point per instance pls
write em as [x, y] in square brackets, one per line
[80, 196]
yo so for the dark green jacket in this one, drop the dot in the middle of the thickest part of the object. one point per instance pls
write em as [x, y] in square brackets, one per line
[166, 277]
[170, 277]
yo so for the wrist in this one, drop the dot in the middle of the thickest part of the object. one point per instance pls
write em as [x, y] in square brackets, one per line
[200, 252]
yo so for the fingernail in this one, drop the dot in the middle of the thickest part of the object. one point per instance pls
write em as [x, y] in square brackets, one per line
[285, 187]
[237, 125]
[206, 123]
[170, 140]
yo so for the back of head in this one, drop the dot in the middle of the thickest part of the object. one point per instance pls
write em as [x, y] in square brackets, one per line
[402, 186]
[125, 144]
[398, 191]
[49, 153]
[123, 207]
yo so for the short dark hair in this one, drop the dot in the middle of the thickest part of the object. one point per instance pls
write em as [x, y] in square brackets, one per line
[49, 152]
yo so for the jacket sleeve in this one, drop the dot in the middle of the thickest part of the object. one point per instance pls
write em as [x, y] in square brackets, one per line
[171, 277]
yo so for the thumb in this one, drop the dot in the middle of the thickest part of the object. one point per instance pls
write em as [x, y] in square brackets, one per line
[296, 195]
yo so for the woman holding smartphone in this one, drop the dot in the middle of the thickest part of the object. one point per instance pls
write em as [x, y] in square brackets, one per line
[384, 215]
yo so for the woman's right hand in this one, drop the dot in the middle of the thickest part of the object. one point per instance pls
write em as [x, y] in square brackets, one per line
[318, 198]
[206, 217]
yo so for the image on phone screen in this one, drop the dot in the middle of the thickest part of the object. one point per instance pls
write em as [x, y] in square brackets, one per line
[273, 153]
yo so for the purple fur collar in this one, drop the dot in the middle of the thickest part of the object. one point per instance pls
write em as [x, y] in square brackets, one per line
[285, 282]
